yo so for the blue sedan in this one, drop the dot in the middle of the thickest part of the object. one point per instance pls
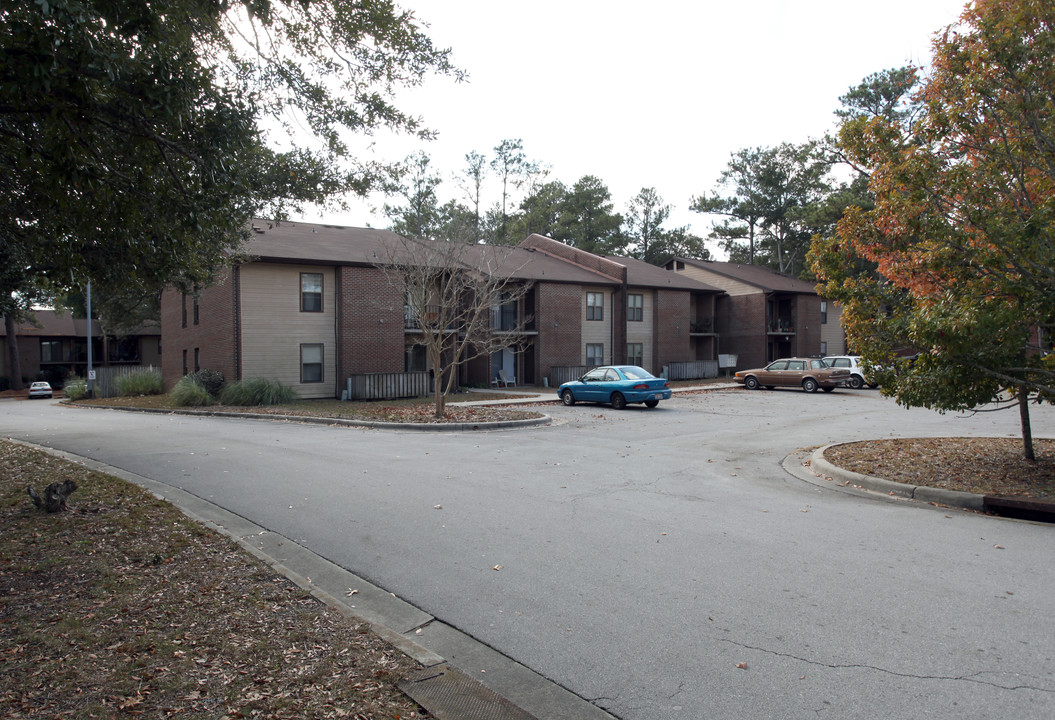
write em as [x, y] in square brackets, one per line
[618, 385]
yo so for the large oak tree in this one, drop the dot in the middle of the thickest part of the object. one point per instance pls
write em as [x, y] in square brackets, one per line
[961, 232]
[133, 135]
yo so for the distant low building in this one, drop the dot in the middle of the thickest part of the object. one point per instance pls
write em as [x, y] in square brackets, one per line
[53, 346]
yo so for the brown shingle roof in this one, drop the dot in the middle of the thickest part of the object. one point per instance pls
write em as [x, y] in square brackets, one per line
[297, 242]
[643, 274]
[757, 275]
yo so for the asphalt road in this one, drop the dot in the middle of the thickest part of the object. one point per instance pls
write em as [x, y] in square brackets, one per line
[659, 563]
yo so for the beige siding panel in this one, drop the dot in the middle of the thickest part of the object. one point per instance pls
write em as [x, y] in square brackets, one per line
[641, 332]
[832, 331]
[274, 328]
[597, 331]
[731, 286]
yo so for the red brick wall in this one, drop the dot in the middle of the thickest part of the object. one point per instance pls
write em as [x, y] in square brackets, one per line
[370, 330]
[558, 315]
[216, 335]
[742, 326]
[671, 323]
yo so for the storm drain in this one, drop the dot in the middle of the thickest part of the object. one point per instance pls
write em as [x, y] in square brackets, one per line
[450, 694]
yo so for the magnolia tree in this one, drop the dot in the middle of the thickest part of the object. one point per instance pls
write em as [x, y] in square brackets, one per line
[960, 237]
[452, 293]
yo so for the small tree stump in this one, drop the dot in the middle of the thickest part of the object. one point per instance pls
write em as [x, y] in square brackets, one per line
[55, 495]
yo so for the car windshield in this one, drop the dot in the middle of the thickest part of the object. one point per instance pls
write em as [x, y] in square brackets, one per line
[636, 373]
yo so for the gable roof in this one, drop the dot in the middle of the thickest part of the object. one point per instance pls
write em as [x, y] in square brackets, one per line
[643, 274]
[765, 278]
[297, 242]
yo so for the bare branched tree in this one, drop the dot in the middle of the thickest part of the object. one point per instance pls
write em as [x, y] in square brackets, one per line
[453, 295]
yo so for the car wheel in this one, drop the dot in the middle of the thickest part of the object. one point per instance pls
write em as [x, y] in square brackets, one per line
[618, 401]
[856, 382]
[651, 403]
[751, 383]
[827, 389]
[567, 398]
[809, 385]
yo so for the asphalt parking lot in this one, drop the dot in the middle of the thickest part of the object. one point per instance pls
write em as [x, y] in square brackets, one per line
[658, 563]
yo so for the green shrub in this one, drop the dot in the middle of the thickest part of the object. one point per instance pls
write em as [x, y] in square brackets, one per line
[211, 380]
[76, 388]
[256, 391]
[189, 392]
[140, 382]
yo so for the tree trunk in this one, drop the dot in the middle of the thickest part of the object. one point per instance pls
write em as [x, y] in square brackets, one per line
[1027, 431]
[14, 365]
[55, 495]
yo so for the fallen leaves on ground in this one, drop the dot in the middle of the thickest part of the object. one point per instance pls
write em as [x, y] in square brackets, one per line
[122, 606]
[988, 466]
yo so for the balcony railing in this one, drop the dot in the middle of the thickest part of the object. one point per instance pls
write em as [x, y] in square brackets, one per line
[784, 326]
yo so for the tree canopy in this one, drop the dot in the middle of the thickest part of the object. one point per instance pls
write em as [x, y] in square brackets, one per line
[770, 202]
[133, 143]
[961, 231]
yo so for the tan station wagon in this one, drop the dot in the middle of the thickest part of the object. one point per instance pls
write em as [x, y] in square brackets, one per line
[807, 373]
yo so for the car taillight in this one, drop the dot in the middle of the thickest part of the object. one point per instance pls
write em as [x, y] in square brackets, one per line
[641, 386]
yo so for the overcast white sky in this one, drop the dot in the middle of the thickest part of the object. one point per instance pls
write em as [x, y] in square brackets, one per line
[647, 94]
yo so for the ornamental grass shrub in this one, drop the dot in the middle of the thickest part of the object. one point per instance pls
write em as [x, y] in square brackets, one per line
[140, 382]
[76, 388]
[256, 391]
[189, 392]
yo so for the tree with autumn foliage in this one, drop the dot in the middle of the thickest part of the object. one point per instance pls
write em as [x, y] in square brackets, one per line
[961, 231]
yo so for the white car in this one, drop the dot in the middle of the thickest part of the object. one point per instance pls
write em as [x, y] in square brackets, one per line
[39, 390]
[853, 364]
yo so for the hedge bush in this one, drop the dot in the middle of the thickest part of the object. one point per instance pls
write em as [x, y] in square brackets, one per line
[256, 391]
[76, 388]
[211, 380]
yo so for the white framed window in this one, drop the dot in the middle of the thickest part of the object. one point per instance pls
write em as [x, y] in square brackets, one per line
[594, 306]
[594, 354]
[311, 370]
[310, 292]
[824, 312]
[635, 307]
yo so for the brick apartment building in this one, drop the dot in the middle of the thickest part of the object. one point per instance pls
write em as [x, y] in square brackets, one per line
[312, 307]
[763, 315]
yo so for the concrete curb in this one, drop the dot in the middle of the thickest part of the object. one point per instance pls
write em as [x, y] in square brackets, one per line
[346, 422]
[414, 632]
[921, 493]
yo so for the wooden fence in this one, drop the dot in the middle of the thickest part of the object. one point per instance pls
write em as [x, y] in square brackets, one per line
[560, 375]
[388, 386]
[105, 383]
[692, 370]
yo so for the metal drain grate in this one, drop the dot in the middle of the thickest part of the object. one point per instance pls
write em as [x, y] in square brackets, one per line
[449, 694]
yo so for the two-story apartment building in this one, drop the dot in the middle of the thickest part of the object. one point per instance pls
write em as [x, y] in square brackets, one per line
[313, 306]
[764, 315]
